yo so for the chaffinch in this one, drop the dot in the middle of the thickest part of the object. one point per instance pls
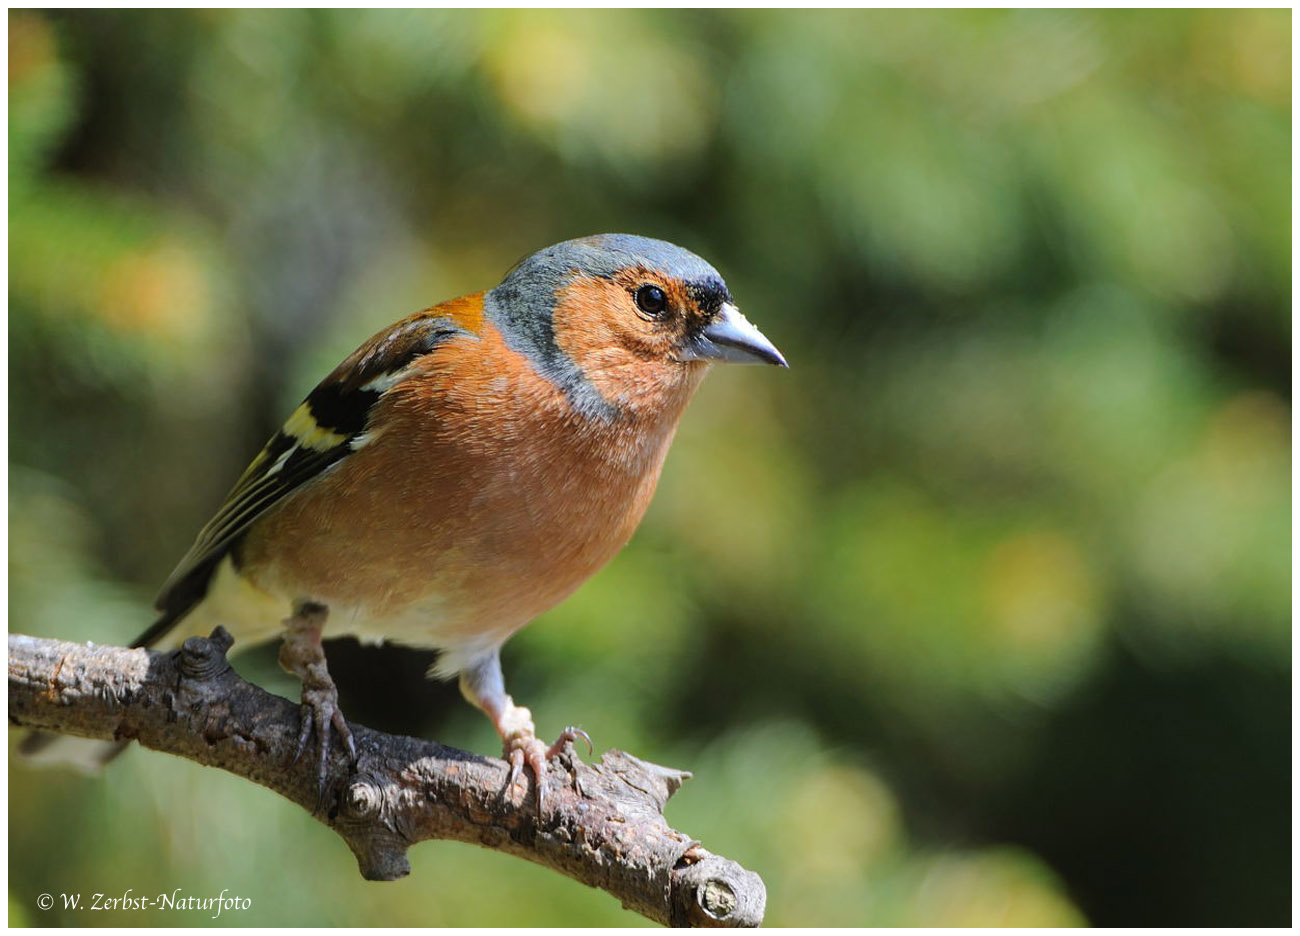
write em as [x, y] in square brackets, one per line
[463, 471]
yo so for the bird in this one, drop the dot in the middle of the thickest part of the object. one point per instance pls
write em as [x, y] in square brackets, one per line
[462, 472]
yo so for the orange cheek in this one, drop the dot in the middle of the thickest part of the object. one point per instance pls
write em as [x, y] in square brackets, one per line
[600, 331]
[584, 319]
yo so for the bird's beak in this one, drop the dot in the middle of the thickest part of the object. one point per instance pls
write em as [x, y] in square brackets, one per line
[730, 337]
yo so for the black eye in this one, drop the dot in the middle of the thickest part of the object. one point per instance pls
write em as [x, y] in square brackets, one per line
[651, 300]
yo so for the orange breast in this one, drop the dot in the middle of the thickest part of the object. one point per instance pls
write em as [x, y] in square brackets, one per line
[483, 502]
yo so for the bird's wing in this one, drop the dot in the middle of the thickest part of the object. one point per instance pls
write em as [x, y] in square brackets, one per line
[327, 427]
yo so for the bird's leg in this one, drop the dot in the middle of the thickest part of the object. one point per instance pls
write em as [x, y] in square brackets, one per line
[484, 686]
[302, 655]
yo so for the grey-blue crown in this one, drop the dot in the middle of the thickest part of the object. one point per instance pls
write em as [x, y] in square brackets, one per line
[606, 254]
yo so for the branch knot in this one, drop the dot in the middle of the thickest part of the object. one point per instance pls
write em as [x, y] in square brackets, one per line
[362, 800]
[205, 657]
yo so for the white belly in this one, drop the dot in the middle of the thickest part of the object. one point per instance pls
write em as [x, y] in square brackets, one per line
[253, 616]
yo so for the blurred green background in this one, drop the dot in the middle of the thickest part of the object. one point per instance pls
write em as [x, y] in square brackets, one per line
[979, 615]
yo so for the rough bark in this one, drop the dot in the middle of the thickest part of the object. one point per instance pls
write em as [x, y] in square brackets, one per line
[601, 824]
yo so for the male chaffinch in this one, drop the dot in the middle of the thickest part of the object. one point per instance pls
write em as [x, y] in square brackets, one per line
[462, 472]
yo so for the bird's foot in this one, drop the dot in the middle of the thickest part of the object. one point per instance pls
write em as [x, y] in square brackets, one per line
[320, 713]
[482, 684]
[302, 654]
[523, 748]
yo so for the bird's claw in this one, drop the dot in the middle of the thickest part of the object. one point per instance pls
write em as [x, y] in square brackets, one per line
[319, 714]
[566, 736]
[524, 748]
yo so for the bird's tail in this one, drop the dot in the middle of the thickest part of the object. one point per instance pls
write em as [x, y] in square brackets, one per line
[89, 755]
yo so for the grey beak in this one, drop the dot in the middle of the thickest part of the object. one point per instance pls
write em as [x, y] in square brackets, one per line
[730, 337]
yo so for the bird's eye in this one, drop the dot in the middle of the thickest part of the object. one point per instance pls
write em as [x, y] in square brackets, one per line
[651, 300]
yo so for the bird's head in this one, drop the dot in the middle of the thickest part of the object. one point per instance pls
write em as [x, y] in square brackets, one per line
[608, 316]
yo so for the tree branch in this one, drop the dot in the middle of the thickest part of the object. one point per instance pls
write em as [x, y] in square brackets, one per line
[601, 824]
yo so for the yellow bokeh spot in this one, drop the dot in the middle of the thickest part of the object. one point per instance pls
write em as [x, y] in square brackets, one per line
[547, 82]
[639, 99]
[1211, 532]
[31, 45]
[160, 291]
[1247, 446]
[1039, 592]
[838, 820]
[1247, 50]
[1000, 889]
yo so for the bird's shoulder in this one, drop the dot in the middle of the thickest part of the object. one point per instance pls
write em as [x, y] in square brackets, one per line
[381, 362]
